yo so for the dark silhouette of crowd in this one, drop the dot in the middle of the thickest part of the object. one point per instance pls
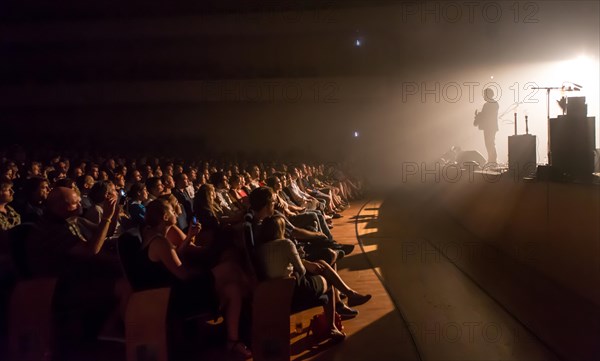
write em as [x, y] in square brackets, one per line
[64, 216]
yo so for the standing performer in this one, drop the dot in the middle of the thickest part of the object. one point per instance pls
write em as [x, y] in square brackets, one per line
[487, 120]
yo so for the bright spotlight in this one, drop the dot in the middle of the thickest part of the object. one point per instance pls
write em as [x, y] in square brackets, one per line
[578, 70]
[356, 134]
[358, 43]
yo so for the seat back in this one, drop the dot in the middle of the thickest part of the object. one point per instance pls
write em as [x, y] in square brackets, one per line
[129, 246]
[30, 321]
[17, 240]
[271, 319]
[146, 325]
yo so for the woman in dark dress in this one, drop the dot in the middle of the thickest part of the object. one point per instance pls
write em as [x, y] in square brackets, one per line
[192, 284]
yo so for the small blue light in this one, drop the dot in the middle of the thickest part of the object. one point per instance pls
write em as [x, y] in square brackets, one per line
[355, 134]
[358, 42]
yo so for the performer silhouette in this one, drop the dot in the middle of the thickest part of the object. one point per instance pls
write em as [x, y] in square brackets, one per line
[487, 120]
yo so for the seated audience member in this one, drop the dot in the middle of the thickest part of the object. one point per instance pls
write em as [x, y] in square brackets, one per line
[94, 171]
[9, 218]
[84, 184]
[119, 182]
[192, 174]
[87, 275]
[253, 177]
[221, 183]
[133, 177]
[181, 192]
[262, 205]
[181, 223]
[299, 216]
[100, 193]
[191, 285]
[168, 183]
[237, 192]
[306, 187]
[32, 198]
[34, 170]
[206, 210]
[299, 197]
[155, 188]
[279, 257]
[138, 195]
[59, 237]
[68, 183]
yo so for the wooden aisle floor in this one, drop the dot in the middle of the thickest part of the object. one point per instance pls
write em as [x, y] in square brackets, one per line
[378, 332]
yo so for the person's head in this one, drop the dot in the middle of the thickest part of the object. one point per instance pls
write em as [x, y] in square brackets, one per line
[159, 213]
[119, 180]
[63, 203]
[236, 181]
[103, 176]
[6, 191]
[219, 180]
[136, 176]
[138, 192]
[262, 202]
[35, 169]
[254, 172]
[272, 228]
[67, 183]
[169, 169]
[181, 180]
[488, 94]
[85, 183]
[36, 190]
[274, 182]
[205, 197]
[173, 202]
[155, 186]
[101, 191]
[94, 171]
[192, 174]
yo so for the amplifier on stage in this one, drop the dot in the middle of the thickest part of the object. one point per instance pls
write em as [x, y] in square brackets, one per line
[522, 155]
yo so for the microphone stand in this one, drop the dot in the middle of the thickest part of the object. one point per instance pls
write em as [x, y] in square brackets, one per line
[547, 89]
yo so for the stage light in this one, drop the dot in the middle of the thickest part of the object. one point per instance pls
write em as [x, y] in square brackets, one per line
[579, 70]
[358, 43]
[356, 134]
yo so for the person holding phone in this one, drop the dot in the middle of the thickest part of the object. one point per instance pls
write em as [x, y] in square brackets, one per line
[192, 283]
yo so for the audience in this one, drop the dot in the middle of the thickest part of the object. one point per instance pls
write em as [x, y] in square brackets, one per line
[188, 215]
[9, 218]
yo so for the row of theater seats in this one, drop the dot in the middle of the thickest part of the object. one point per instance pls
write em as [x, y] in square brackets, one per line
[149, 331]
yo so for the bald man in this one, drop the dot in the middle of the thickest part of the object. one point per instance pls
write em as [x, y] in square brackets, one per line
[59, 239]
[92, 284]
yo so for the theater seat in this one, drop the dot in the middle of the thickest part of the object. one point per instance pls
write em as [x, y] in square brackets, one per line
[146, 325]
[30, 327]
[271, 319]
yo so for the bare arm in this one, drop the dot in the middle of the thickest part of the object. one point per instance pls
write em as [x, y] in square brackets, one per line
[102, 230]
[162, 251]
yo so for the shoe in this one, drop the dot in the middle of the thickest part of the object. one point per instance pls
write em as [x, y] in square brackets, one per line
[343, 296]
[347, 248]
[336, 216]
[336, 336]
[344, 311]
[357, 299]
[238, 349]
